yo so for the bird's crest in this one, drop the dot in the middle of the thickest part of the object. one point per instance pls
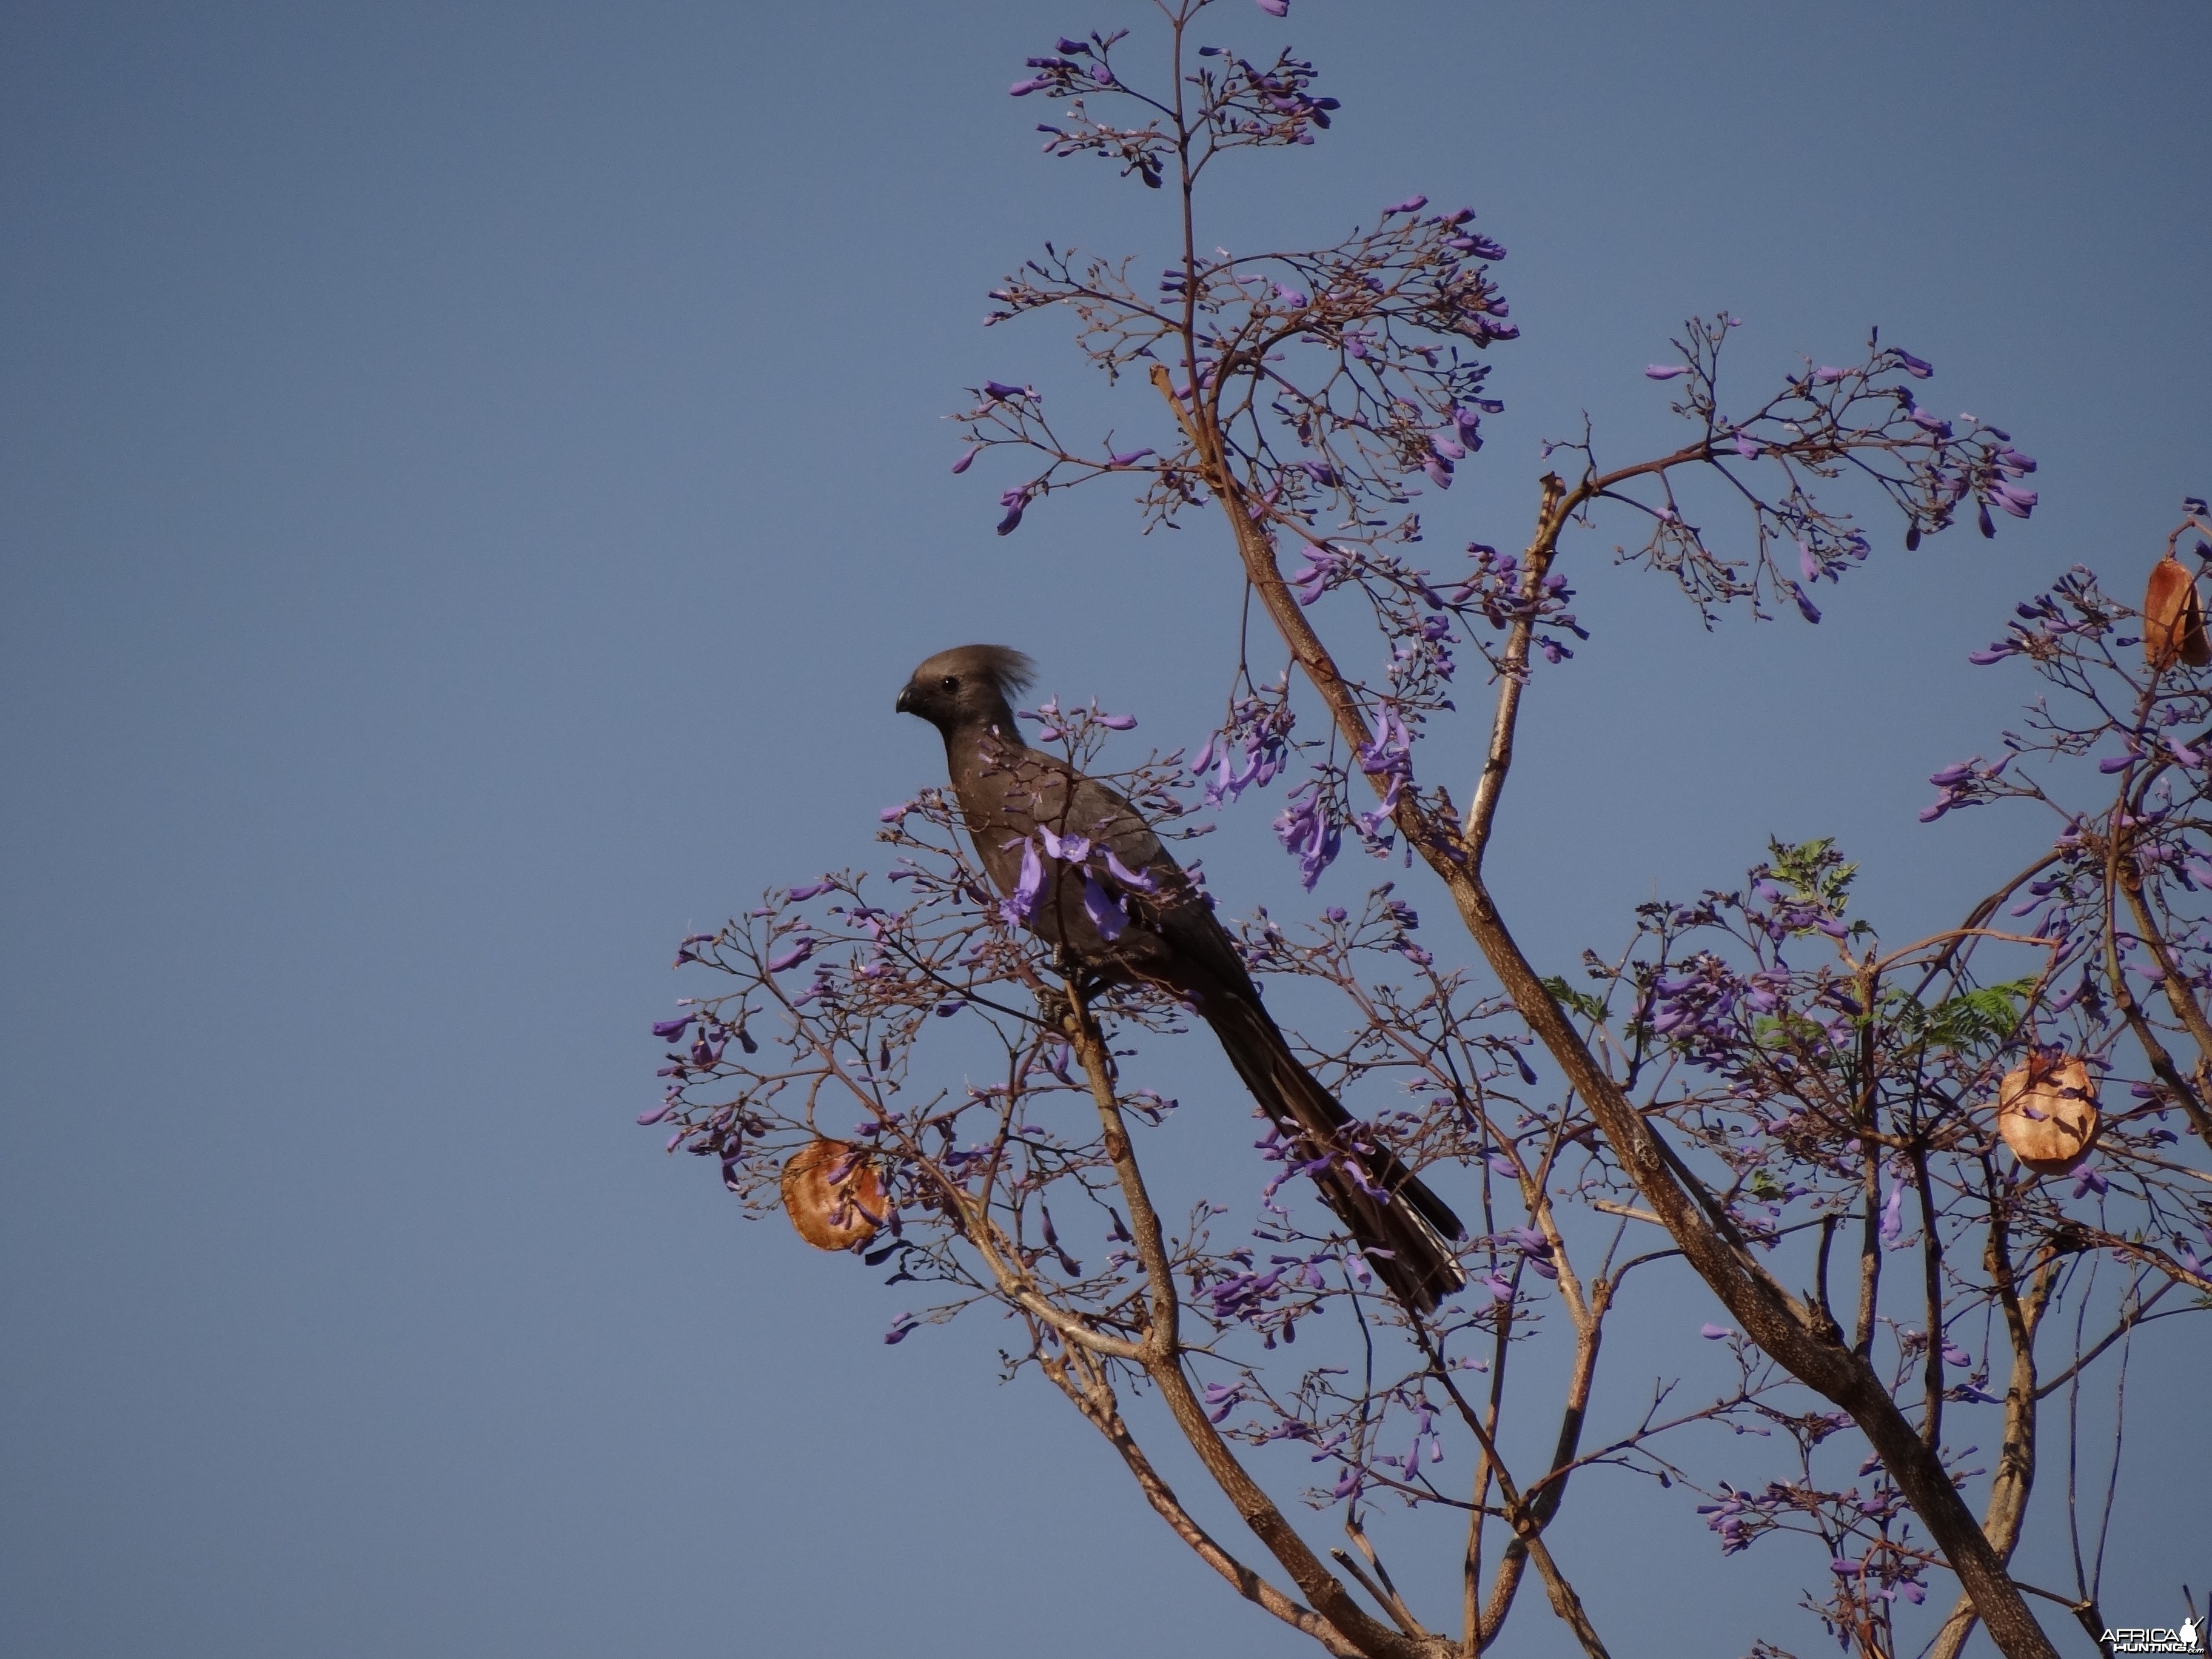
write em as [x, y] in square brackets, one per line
[1005, 668]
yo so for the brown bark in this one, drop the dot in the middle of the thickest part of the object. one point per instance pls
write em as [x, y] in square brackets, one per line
[2014, 1478]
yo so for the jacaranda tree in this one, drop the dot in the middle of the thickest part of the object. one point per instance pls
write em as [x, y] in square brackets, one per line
[1937, 1184]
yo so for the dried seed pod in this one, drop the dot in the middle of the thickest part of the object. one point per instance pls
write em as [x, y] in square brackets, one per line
[832, 1195]
[2174, 618]
[2047, 1113]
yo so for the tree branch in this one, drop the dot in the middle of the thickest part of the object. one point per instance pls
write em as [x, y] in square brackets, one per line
[1788, 1332]
[1162, 1359]
[1094, 1398]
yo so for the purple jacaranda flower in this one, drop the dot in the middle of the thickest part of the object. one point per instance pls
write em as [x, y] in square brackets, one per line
[1137, 881]
[1746, 447]
[1715, 1333]
[1320, 472]
[901, 1328]
[1106, 913]
[1481, 246]
[1274, 7]
[1073, 848]
[2015, 462]
[1833, 928]
[1129, 457]
[2088, 1180]
[1304, 827]
[1666, 371]
[798, 949]
[1072, 48]
[1447, 444]
[1204, 758]
[1019, 89]
[1018, 905]
[1439, 471]
[998, 391]
[1371, 823]
[1994, 653]
[1224, 787]
[893, 814]
[1957, 1357]
[968, 460]
[812, 890]
[1392, 743]
[658, 1113]
[1101, 74]
[669, 1030]
[1806, 608]
[1528, 1241]
[1957, 772]
[1912, 1592]
[2017, 503]
[1296, 299]
[1828, 374]
[1499, 1288]
[1893, 1217]
[1810, 566]
[1013, 500]
[1411, 204]
[1918, 369]
[1118, 723]
[2069, 997]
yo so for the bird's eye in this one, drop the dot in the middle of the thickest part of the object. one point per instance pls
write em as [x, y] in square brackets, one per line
[951, 682]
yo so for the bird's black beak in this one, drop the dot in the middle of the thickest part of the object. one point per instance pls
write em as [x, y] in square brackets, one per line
[905, 703]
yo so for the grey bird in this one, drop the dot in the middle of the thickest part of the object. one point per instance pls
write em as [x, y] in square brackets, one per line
[1122, 910]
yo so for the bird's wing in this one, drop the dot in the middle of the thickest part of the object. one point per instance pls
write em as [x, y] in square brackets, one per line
[1012, 795]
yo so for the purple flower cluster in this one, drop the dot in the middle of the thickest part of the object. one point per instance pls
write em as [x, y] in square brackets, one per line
[1250, 751]
[1306, 830]
[1926, 464]
[1499, 589]
[1964, 783]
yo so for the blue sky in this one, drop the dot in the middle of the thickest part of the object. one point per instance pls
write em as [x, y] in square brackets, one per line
[470, 486]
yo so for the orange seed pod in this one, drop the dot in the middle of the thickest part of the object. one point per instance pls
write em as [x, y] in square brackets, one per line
[830, 1190]
[2174, 618]
[2047, 1113]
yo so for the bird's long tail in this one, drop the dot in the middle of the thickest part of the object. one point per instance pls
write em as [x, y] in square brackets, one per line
[1405, 1235]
